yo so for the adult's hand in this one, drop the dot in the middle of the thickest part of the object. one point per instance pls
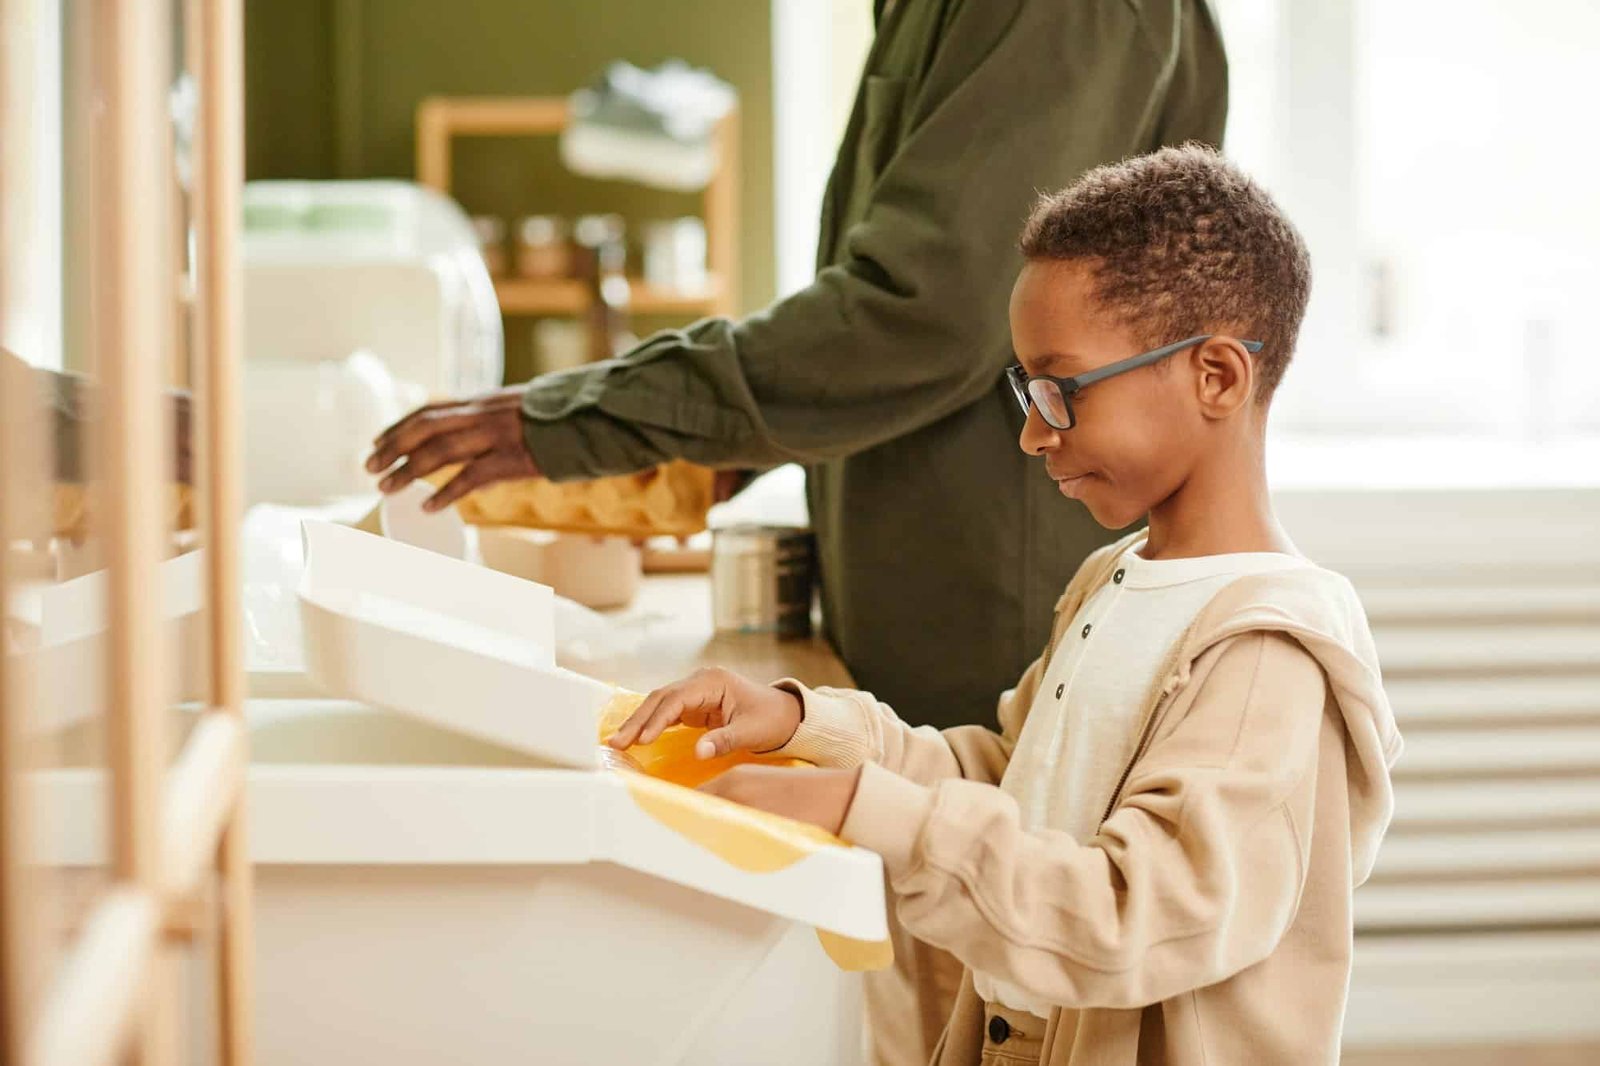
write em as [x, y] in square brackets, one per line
[183, 433]
[483, 434]
[729, 483]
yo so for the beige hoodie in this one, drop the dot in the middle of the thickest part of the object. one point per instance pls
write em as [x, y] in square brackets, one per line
[1209, 921]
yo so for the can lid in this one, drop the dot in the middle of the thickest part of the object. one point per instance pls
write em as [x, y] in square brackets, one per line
[542, 229]
[758, 531]
[491, 229]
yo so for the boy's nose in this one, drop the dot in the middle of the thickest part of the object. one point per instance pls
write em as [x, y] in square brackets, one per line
[1038, 436]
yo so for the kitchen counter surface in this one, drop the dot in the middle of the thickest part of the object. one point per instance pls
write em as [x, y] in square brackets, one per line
[672, 617]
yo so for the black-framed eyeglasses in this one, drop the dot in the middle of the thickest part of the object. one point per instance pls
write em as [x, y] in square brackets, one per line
[1053, 396]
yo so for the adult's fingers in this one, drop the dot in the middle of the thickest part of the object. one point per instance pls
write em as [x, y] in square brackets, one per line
[462, 446]
[420, 412]
[416, 429]
[726, 484]
[382, 440]
[484, 470]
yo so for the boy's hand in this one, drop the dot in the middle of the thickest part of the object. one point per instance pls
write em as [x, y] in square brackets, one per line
[739, 714]
[821, 797]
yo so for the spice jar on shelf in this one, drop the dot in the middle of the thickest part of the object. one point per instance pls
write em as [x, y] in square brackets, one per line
[560, 344]
[543, 248]
[601, 254]
[675, 254]
[491, 233]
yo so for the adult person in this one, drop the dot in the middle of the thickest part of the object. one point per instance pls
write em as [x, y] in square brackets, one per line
[883, 377]
[942, 551]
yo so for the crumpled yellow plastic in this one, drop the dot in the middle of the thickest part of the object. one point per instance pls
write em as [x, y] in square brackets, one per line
[664, 786]
[743, 837]
[670, 757]
[666, 782]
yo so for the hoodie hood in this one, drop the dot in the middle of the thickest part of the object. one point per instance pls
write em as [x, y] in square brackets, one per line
[1320, 609]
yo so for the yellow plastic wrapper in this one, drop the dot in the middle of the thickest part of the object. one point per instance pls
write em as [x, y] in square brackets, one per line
[670, 757]
[662, 777]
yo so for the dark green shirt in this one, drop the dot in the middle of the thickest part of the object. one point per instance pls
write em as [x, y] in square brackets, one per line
[943, 547]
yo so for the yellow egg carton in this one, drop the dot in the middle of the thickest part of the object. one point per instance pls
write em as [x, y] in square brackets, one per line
[668, 500]
[72, 516]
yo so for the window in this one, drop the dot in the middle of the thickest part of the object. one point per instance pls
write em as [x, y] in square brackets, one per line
[31, 76]
[817, 52]
[1440, 160]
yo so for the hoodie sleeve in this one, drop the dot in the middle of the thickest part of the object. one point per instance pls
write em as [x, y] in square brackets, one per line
[848, 728]
[1195, 876]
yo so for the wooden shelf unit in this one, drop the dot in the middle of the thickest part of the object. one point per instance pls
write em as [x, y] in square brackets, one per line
[179, 862]
[568, 296]
[441, 119]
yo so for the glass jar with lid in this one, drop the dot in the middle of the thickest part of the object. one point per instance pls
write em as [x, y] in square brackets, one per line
[544, 249]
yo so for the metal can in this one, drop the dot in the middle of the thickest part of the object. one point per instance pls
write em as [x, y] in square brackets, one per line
[491, 242]
[763, 579]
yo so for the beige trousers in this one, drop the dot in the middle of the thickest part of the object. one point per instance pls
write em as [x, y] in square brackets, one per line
[909, 1004]
[1011, 1038]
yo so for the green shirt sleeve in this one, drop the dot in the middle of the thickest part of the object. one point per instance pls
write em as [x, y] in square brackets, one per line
[908, 323]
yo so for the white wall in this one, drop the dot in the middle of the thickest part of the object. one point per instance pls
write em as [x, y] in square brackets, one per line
[1440, 168]
[817, 50]
[30, 64]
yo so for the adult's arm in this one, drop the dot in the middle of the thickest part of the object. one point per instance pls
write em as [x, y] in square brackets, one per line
[1019, 97]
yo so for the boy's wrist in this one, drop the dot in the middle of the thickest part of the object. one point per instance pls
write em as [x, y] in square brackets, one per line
[797, 707]
[886, 814]
[831, 730]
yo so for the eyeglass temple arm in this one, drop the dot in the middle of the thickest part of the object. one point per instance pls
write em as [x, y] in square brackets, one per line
[1156, 356]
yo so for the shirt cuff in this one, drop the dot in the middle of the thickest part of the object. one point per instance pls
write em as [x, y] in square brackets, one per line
[887, 816]
[577, 448]
[831, 731]
[569, 438]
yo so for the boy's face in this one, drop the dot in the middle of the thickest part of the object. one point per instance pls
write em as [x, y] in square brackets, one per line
[1137, 434]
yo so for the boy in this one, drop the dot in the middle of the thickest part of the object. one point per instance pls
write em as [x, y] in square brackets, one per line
[1153, 860]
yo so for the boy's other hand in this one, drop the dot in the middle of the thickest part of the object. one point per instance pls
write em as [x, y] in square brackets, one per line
[739, 714]
[821, 797]
[483, 435]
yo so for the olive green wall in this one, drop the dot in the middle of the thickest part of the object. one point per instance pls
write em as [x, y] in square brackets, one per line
[332, 88]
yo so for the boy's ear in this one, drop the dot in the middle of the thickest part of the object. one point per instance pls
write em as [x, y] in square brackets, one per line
[1225, 377]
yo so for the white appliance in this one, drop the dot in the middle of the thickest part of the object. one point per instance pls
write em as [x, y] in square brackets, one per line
[386, 271]
[444, 872]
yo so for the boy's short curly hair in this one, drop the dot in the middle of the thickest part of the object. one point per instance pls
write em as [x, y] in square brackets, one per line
[1182, 242]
